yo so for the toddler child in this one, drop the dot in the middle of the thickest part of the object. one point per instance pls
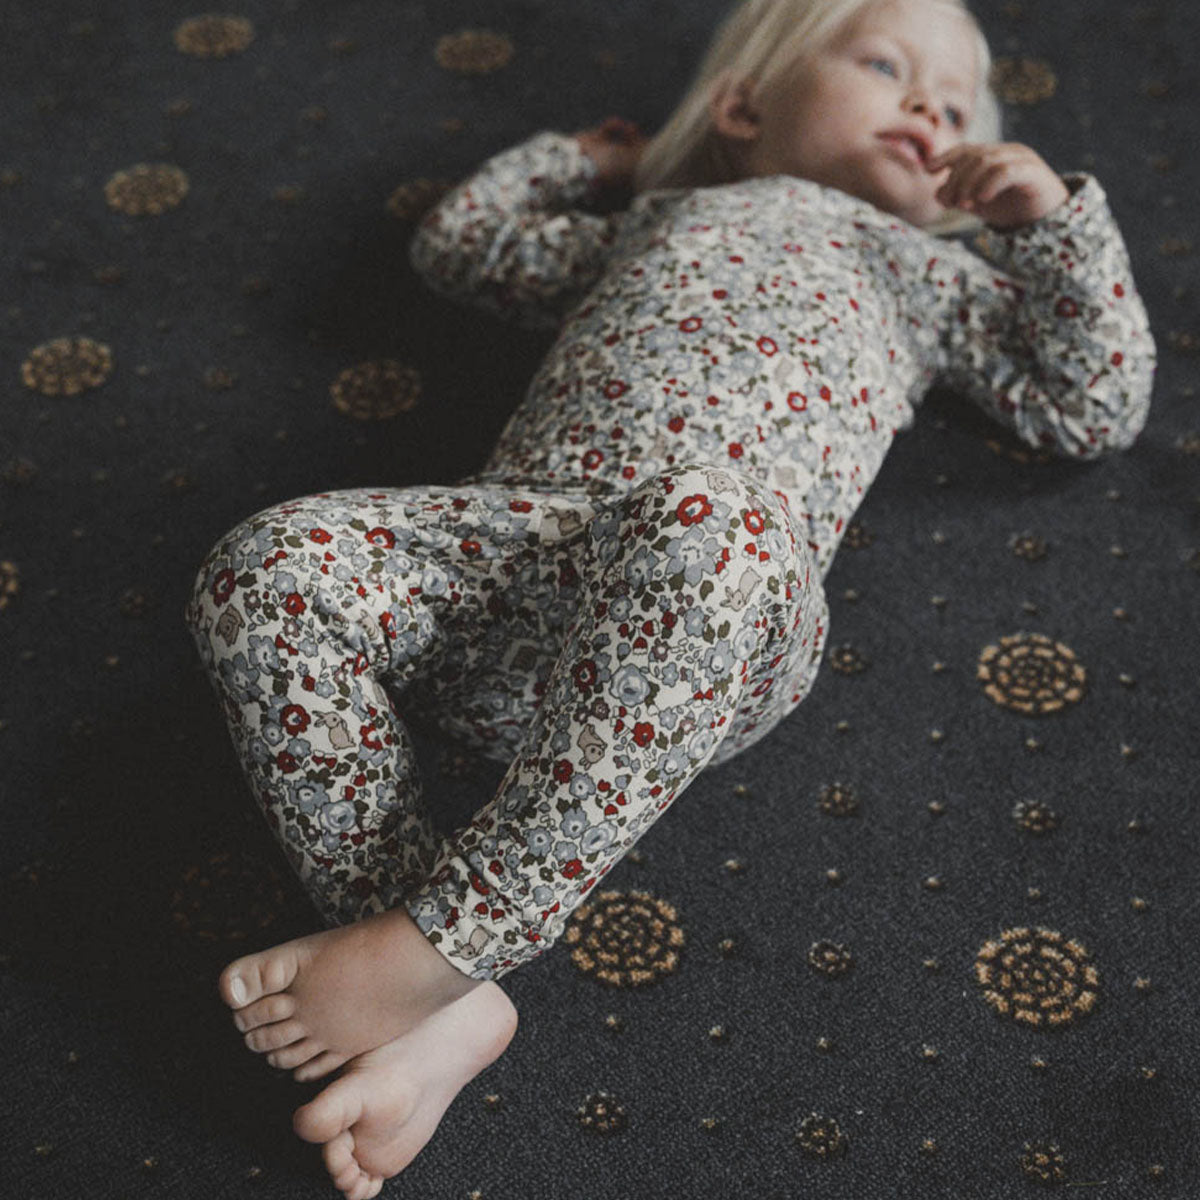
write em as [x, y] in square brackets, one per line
[631, 588]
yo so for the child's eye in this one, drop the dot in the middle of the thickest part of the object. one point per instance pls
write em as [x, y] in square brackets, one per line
[956, 117]
[886, 63]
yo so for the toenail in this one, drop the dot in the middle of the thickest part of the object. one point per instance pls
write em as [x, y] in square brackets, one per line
[239, 1024]
[237, 989]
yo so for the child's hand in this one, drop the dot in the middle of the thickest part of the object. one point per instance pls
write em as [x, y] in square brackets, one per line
[1004, 183]
[616, 146]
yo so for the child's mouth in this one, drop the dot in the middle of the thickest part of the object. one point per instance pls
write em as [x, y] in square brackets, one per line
[906, 146]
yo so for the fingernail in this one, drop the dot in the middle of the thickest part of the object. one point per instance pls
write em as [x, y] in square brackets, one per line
[237, 989]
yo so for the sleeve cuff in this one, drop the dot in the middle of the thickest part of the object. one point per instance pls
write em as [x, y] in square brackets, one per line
[1082, 222]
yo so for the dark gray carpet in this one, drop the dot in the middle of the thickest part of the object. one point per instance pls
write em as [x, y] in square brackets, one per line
[824, 1031]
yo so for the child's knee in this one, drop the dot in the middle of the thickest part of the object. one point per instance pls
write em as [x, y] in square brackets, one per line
[209, 607]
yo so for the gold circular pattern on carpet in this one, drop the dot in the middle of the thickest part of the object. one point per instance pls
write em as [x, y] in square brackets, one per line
[1033, 816]
[846, 660]
[146, 189]
[830, 958]
[474, 51]
[839, 800]
[625, 939]
[1023, 80]
[213, 35]
[858, 536]
[10, 583]
[229, 897]
[1037, 977]
[601, 1113]
[821, 1137]
[67, 366]
[376, 391]
[1044, 1162]
[1028, 546]
[412, 200]
[1030, 674]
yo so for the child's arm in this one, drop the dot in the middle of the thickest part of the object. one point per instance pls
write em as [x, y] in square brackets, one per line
[1055, 344]
[505, 239]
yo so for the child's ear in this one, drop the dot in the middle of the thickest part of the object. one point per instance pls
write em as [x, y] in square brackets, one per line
[731, 109]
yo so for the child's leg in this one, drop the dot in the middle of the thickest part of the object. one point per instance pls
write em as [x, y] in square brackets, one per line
[699, 626]
[315, 615]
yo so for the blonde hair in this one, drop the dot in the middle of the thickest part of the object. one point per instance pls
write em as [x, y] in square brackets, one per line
[763, 41]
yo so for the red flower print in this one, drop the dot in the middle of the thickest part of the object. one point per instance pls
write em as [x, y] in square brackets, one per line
[294, 604]
[735, 449]
[223, 586]
[369, 736]
[752, 519]
[469, 546]
[643, 733]
[767, 346]
[519, 506]
[1066, 307]
[563, 771]
[797, 401]
[690, 325]
[381, 537]
[294, 719]
[286, 763]
[693, 509]
[675, 424]
[615, 388]
[592, 459]
[320, 536]
[585, 675]
[571, 869]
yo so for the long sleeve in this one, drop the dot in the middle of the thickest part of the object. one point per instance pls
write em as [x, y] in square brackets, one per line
[506, 239]
[1048, 333]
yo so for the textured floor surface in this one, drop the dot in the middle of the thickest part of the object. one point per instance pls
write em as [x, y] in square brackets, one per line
[916, 944]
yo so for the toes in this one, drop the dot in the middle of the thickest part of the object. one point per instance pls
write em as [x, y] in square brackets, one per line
[248, 979]
[318, 1067]
[367, 1186]
[295, 1054]
[277, 1007]
[331, 1113]
[339, 1159]
[275, 1037]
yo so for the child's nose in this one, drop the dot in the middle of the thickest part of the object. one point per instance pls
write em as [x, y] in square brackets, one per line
[919, 104]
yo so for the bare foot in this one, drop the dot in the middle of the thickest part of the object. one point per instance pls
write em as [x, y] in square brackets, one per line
[375, 1119]
[318, 1001]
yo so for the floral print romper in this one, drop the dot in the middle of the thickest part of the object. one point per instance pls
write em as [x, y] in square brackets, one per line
[632, 586]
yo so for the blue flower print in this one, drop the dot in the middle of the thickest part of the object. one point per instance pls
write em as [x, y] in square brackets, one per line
[718, 662]
[538, 840]
[629, 686]
[573, 822]
[673, 763]
[239, 677]
[640, 567]
[744, 642]
[581, 786]
[338, 817]
[694, 554]
[307, 797]
[598, 837]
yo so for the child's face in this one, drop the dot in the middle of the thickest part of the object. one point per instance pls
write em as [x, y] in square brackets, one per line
[899, 67]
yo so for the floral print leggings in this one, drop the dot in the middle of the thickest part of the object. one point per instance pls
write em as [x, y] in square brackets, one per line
[605, 647]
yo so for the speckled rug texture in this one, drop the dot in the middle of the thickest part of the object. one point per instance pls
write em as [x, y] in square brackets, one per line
[920, 942]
